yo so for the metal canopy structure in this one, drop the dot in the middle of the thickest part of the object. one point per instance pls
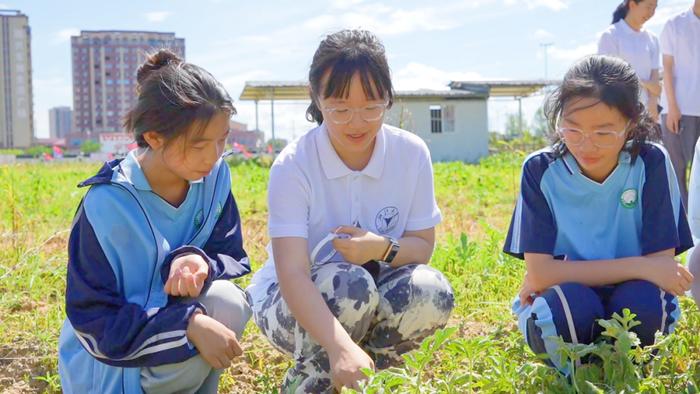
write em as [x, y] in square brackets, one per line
[504, 88]
[299, 90]
[516, 89]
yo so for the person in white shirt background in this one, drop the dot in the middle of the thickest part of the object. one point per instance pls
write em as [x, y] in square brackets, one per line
[680, 118]
[627, 39]
[680, 46]
[352, 216]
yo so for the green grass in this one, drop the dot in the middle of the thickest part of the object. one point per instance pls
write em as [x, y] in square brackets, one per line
[480, 351]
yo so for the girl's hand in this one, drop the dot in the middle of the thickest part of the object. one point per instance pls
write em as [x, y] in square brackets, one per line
[346, 367]
[527, 291]
[361, 247]
[673, 119]
[187, 275]
[668, 274]
[215, 342]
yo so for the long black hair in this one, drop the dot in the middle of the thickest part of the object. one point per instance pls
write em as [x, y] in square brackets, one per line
[622, 10]
[343, 54]
[611, 81]
[172, 96]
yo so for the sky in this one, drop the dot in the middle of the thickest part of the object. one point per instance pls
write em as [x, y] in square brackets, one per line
[427, 45]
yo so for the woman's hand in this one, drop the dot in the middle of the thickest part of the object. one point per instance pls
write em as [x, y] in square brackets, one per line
[361, 247]
[346, 366]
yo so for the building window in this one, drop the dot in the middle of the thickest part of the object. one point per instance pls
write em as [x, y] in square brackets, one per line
[435, 119]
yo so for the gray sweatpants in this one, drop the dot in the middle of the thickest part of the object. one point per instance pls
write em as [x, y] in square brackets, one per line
[387, 319]
[681, 147]
[227, 304]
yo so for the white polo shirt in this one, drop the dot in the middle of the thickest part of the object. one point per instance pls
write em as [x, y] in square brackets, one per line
[312, 192]
[638, 48]
[680, 38]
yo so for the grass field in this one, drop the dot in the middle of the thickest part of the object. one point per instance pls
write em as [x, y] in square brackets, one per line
[481, 350]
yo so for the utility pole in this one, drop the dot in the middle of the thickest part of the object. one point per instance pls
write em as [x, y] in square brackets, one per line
[545, 48]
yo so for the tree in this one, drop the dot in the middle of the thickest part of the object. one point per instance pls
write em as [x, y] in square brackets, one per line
[539, 123]
[513, 128]
[277, 143]
[90, 146]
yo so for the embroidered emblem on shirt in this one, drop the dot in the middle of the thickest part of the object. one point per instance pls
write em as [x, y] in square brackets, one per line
[198, 219]
[628, 198]
[219, 210]
[387, 219]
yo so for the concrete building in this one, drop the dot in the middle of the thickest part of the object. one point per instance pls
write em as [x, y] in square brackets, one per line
[104, 74]
[60, 122]
[16, 113]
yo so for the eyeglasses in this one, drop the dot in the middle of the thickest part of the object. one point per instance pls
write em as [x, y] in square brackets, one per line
[599, 138]
[343, 115]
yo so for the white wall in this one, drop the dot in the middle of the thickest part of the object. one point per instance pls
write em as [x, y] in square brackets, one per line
[468, 142]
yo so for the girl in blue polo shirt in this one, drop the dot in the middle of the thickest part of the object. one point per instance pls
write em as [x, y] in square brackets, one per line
[599, 218]
[153, 243]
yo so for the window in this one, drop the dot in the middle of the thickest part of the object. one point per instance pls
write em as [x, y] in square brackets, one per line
[435, 119]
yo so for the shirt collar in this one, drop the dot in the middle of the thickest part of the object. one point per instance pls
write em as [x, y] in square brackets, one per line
[333, 166]
[132, 171]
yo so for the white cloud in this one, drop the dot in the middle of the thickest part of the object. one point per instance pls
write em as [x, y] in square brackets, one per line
[665, 12]
[571, 54]
[345, 4]
[421, 76]
[64, 35]
[542, 34]
[385, 20]
[157, 16]
[555, 5]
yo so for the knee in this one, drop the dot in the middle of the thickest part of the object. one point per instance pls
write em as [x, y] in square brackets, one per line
[656, 309]
[421, 288]
[572, 310]
[349, 290]
[227, 304]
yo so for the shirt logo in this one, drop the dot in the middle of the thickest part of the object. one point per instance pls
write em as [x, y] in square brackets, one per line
[628, 198]
[219, 210]
[198, 219]
[387, 219]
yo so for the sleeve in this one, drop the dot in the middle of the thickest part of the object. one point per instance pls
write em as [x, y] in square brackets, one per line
[694, 196]
[424, 212]
[288, 199]
[110, 328]
[667, 39]
[664, 224]
[607, 45]
[223, 251]
[532, 227]
[655, 54]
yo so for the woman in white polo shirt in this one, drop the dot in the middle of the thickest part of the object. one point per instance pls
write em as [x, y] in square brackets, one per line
[627, 39]
[352, 214]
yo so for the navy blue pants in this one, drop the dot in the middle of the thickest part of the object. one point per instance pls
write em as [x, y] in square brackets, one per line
[571, 310]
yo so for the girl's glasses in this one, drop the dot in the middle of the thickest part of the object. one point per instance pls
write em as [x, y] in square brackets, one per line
[343, 115]
[600, 138]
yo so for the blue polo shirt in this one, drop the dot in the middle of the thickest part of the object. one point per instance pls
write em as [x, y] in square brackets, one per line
[176, 224]
[636, 211]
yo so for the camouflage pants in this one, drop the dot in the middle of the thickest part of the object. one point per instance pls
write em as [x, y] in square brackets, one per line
[387, 319]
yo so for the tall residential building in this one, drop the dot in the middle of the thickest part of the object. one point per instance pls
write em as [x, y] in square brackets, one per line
[104, 74]
[16, 114]
[60, 122]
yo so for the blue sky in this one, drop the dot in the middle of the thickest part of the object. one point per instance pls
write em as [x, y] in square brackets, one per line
[427, 46]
